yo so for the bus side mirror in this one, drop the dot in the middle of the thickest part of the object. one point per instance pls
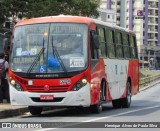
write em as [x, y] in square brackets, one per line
[95, 40]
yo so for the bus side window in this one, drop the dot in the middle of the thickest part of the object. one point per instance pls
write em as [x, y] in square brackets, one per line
[133, 47]
[126, 45]
[102, 47]
[118, 40]
[110, 43]
[94, 51]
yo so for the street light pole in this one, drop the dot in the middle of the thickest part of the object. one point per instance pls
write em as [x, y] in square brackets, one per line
[154, 59]
[149, 57]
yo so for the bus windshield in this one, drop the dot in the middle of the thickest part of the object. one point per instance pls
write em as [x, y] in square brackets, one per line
[65, 48]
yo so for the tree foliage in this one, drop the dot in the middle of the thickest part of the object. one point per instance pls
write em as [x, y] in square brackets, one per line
[38, 8]
[11, 8]
[66, 7]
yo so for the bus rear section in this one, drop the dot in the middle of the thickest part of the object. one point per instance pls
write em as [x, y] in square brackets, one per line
[61, 63]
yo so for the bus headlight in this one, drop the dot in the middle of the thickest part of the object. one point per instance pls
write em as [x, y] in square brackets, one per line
[84, 81]
[15, 84]
[81, 83]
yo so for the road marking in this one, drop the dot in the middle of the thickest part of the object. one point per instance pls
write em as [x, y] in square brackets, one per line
[124, 113]
[106, 117]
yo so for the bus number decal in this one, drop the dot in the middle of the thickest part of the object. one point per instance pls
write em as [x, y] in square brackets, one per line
[65, 82]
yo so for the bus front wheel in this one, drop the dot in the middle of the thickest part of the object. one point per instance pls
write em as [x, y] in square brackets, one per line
[35, 110]
[97, 108]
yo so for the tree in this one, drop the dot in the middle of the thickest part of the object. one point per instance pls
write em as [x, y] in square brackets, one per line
[66, 7]
[38, 8]
[2, 13]
[12, 8]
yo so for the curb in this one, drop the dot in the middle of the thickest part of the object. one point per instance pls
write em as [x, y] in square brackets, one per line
[13, 112]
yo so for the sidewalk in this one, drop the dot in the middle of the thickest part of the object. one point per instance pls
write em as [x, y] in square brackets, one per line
[7, 110]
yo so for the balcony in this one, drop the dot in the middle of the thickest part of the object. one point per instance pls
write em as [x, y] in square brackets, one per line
[152, 39]
[156, 29]
[152, 6]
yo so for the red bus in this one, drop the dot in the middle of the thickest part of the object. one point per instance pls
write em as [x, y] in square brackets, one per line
[72, 61]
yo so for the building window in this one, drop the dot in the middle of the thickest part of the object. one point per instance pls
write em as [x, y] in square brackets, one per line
[113, 3]
[118, 11]
[118, 3]
[112, 16]
[108, 16]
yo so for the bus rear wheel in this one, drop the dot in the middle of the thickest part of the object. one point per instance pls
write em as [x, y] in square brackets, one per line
[126, 102]
[34, 110]
[116, 103]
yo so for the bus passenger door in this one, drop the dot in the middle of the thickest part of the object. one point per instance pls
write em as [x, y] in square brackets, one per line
[94, 69]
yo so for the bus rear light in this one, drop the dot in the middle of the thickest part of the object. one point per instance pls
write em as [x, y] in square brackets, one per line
[81, 83]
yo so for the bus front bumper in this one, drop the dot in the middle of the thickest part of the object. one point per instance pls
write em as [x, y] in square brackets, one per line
[70, 98]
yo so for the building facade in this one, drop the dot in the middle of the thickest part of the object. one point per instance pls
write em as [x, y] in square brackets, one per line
[143, 17]
[107, 15]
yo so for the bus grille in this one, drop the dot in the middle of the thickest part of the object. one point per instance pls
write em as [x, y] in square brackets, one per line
[51, 89]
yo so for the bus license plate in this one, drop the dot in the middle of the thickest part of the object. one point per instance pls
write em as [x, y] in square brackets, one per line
[46, 97]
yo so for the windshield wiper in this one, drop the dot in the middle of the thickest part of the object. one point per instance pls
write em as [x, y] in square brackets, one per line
[35, 60]
[55, 52]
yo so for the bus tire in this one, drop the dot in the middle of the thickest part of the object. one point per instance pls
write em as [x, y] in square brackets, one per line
[116, 103]
[126, 102]
[97, 108]
[34, 110]
[103, 89]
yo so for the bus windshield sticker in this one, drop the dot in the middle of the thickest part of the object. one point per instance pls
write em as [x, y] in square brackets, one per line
[26, 53]
[79, 35]
[19, 52]
[76, 62]
[33, 51]
[42, 68]
[18, 70]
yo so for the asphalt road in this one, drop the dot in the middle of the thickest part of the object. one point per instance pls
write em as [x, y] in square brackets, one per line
[145, 108]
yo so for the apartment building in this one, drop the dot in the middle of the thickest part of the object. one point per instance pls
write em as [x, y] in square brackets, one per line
[145, 26]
